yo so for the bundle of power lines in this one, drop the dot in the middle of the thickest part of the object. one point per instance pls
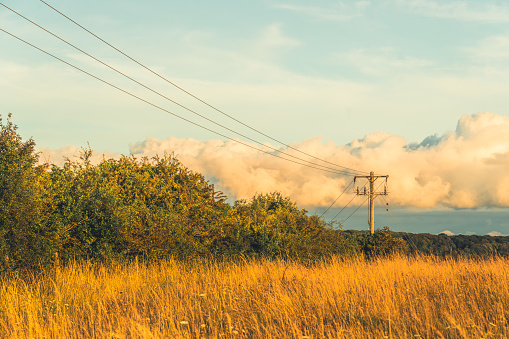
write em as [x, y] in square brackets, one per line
[316, 162]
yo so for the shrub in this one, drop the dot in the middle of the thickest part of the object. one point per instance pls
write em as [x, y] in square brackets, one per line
[381, 243]
[148, 207]
[272, 225]
[131, 207]
[23, 202]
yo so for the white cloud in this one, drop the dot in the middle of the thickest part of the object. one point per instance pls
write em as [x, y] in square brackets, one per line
[446, 232]
[380, 61]
[340, 12]
[495, 234]
[273, 37]
[462, 169]
[271, 43]
[459, 10]
[492, 51]
[59, 156]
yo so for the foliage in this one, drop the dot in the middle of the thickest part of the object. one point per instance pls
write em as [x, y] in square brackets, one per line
[381, 243]
[128, 207]
[272, 225]
[23, 202]
[456, 245]
[152, 208]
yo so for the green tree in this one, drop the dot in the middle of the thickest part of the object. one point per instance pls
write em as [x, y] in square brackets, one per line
[23, 209]
[151, 207]
[381, 243]
[273, 225]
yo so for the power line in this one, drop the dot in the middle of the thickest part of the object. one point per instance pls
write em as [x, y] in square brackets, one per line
[358, 206]
[337, 198]
[396, 220]
[391, 212]
[356, 209]
[345, 206]
[159, 107]
[165, 97]
[194, 96]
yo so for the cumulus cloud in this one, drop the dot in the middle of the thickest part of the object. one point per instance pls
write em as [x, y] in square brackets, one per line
[467, 168]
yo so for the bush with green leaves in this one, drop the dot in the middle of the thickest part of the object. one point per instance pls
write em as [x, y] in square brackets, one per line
[24, 210]
[381, 243]
[127, 207]
[152, 208]
[272, 225]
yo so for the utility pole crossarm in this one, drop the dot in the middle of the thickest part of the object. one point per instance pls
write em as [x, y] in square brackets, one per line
[372, 178]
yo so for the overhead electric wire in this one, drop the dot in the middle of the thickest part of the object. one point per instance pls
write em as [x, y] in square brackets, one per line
[159, 107]
[337, 198]
[396, 220]
[392, 214]
[346, 205]
[343, 172]
[355, 210]
[195, 97]
[359, 205]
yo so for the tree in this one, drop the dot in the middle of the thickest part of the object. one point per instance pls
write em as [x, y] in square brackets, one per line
[23, 187]
[381, 243]
[273, 225]
[128, 207]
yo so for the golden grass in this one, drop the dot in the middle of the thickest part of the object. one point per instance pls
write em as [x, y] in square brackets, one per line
[391, 298]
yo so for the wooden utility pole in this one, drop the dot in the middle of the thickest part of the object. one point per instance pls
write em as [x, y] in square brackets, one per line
[372, 194]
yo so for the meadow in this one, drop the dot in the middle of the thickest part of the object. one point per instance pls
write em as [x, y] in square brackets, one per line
[400, 297]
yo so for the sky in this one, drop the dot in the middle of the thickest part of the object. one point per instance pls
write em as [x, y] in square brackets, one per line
[416, 90]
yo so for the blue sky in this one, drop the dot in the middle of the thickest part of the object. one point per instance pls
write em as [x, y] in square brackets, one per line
[334, 70]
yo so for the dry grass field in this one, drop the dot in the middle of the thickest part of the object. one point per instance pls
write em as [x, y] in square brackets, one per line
[390, 298]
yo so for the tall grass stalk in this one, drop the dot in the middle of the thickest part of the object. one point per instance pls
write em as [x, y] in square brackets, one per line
[389, 298]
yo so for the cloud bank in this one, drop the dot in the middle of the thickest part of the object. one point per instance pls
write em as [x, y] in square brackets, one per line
[467, 168]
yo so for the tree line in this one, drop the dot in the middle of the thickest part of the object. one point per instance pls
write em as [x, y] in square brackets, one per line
[150, 208]
[456, 245]
[154, 208]
[443, 245]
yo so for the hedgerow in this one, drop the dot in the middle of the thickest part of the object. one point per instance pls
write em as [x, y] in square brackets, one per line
[149, 208]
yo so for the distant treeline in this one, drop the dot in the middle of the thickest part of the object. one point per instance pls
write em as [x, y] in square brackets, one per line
[455, 245]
